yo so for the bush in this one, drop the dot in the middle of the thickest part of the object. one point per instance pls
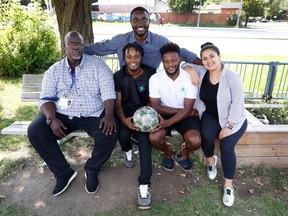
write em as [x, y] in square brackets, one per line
[232, 20]
[28, 42]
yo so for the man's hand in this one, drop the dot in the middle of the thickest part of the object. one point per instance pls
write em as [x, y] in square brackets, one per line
[194, 112]
[128, 123]
[108, 124]
[57, 127]
[195, 79]
[161, 125]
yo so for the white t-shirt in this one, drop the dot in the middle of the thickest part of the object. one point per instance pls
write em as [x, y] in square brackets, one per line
[172, 93]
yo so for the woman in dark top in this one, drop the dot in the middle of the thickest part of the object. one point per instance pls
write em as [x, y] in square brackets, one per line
[221, 108]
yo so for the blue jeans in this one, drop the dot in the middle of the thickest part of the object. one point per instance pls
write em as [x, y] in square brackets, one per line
[45, 143]
[210, 130]
[144, 151]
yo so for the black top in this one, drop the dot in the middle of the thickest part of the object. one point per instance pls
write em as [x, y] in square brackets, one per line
[135, 92]
[208, 94]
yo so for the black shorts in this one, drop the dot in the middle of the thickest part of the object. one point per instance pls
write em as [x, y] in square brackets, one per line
[189, 123]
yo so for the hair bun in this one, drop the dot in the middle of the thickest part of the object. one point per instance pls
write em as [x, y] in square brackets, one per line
[206, 44]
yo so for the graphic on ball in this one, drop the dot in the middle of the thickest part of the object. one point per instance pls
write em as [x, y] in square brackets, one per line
[145, 118]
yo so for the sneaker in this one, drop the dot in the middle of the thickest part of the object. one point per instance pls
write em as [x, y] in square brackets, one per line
[144, 198]
[92, 183]
[128, 158]
[228, 196]
[212, 170]
[63, 182]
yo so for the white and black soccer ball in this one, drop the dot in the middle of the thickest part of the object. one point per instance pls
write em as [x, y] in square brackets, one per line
[145, 118]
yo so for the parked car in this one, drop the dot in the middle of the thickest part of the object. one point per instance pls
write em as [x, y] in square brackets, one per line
[105, 17]
[263, 19]
[251, 19]
[94, 15]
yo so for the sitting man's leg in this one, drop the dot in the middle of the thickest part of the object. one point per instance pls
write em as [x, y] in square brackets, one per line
[45, 143]
[189, 128]
[144, 198]
[159, 142]
[126, 146]
[102, 150]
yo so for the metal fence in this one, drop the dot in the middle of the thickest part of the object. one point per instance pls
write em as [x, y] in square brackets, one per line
[262, 80]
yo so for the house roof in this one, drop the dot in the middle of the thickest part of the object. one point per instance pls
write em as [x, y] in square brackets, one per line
[234, 5]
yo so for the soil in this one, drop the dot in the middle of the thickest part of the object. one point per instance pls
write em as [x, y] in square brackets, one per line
[31, 186]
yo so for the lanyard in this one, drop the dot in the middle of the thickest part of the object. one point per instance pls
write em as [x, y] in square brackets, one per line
[73, 78]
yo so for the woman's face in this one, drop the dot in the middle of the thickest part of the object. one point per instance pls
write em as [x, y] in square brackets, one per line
[211, 60]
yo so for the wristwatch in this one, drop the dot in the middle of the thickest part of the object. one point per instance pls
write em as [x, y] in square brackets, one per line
[230, 126]
[48, 121]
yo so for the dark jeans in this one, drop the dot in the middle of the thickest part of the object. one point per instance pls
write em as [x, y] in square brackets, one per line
[45, 143]
[210, 130]
[144, 151]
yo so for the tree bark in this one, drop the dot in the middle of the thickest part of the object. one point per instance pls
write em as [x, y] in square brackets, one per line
[74, 15]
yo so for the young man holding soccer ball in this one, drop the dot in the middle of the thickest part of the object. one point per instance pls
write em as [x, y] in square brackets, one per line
[172, 95]
[131, 85]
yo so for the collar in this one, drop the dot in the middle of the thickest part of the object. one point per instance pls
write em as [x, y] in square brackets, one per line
[147, 40]
[81, 63]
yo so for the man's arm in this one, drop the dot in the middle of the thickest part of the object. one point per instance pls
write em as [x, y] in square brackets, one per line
[105, 47]
[107, 123]
[48, 109]
[127, 121]
[190, 57]
[179, 114]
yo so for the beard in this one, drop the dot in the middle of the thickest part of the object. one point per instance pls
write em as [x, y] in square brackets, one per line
[143, 33]
[173, 73]
[76, 55]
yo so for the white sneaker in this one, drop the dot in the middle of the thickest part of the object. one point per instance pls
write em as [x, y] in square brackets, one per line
[228, 196]
[212, 170]
[128, 158]
[144, 198]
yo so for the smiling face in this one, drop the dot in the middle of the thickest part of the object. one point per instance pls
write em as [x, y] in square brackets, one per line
[211, 60]
[132, 59]
[140, 24]
[171, 63]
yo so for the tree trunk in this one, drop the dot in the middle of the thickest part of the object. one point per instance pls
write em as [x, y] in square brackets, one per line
[74, 15]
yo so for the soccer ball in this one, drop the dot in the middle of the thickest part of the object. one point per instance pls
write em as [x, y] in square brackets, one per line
[145, 118]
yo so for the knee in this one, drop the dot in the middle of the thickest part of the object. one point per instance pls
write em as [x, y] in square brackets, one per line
[155, 140]
[193, 143]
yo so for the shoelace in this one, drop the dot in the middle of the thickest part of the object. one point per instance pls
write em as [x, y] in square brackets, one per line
[129, 155]
[143, 191]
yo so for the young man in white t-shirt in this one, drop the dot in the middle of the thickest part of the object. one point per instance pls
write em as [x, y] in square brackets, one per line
[173, 95]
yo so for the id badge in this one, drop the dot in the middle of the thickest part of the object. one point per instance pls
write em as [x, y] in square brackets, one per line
[65, 103]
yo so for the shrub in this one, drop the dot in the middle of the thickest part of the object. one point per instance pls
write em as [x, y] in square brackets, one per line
[232, 20]
[28, 42]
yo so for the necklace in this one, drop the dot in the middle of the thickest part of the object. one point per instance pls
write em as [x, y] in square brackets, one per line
[213, 80]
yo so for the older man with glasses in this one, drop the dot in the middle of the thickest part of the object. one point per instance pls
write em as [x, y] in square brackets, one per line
[151, 42]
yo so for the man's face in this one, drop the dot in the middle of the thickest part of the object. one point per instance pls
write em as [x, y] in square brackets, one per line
[132, 59]
[171, 63]
[140, 23]
[74, 48]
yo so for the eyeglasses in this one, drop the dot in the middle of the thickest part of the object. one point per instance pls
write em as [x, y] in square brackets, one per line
[76, 45]
[143, 20]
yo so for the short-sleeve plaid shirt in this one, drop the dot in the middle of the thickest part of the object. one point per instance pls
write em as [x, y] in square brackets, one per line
[93, 84]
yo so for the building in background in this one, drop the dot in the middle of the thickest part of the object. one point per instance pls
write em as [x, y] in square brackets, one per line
[116, 6]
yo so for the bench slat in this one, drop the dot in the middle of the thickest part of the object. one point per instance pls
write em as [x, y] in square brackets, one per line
[31, 87]
[32, 78]
[20, 128]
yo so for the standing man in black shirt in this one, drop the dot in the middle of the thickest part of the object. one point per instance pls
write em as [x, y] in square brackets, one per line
[131, 85]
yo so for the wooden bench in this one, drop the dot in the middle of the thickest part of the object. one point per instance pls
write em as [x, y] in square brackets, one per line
[261, 144]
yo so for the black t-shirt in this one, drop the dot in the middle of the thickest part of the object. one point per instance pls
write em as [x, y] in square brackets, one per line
[135, 92]
[208, 94]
